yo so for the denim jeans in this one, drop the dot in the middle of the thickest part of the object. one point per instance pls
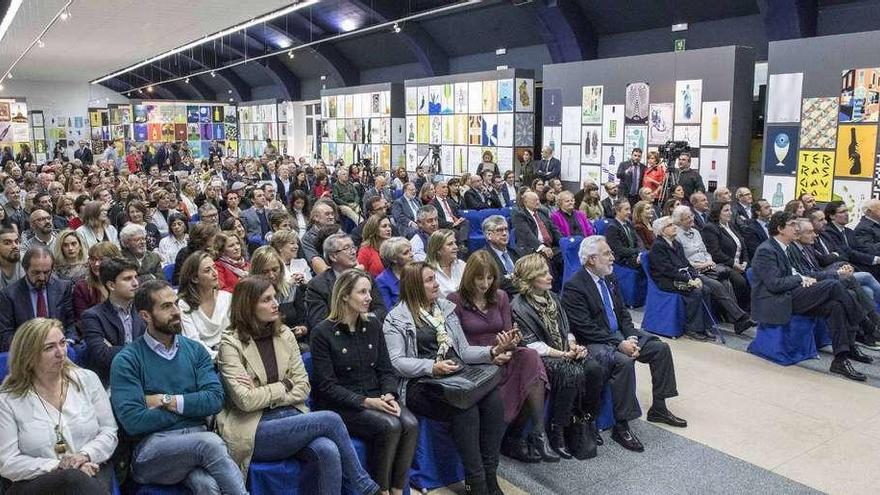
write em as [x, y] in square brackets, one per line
[194, 456]
[318, 437]
[869, 284]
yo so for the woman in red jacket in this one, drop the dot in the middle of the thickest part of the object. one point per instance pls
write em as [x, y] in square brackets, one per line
[655, 174]
[231, 264]
[376, 231]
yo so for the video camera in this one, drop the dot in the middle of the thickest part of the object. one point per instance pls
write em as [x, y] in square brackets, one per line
[672, 149]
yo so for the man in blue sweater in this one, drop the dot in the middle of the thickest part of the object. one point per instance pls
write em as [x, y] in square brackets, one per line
[163, 387]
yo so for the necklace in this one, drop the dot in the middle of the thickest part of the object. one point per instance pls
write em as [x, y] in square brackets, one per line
[60, 443]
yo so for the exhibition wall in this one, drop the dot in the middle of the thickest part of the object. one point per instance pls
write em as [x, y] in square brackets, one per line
[594, 112]
[823, 107]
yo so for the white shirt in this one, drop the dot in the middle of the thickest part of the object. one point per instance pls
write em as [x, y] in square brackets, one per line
[169, 246]
[27, 433]
[206, 329]
[418, 248]
[450, 284]
[298, 265]
[733, 236]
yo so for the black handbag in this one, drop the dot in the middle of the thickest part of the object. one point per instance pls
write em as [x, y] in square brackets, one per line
[467, 386]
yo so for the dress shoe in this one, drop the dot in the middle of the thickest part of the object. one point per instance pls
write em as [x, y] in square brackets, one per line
[665, 416]
[868, 342]
[856, 355]
[539, 448]
[627, 439]
[741, 326]
[518, 449]
[698, 336]
[843, 367]
[557, 441]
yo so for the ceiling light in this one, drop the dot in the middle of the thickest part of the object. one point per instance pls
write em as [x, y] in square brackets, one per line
[218, 35]
[40, 44]
[186, 80]
[230, 99]
[10, 15]
[9, 75]
[290, 54]
[230, 91]
[213, 74]
[65, 15]
[1, 87]
[150, 89]
[396, 28]
[348, 25]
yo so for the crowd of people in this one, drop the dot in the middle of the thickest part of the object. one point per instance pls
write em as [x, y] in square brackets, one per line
[191, 292]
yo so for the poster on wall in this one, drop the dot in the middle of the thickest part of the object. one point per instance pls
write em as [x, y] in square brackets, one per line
[777, 190]
[853, 193]
[591, 144]
[505, 95]
[552, 137]
[475, 97]
[781, 157]
[570, 159]
[5, 111]
[815, 174]
[875, 191]
[461, 128]
[689, 133]
[688, 98]
[504, 159]
[490, 130]
[716, 123]
[635, 137]
[612, 124]
[460, 103]
[859, 95]
[660, 123]
[571, 124]
[636, 103]
[412, 100]
[422, 103]
[490, 96]
[475, 130]
[525, 95]
[856, 145]
[524, 129]
[713, 166]
[819, 123]
[447, 99]
[591, 173]
[460, 160]
[784, 98]
[505, 129]
[591, 104]
[611, 158]
[552, 107]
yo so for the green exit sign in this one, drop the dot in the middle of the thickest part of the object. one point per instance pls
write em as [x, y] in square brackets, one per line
[679, 45]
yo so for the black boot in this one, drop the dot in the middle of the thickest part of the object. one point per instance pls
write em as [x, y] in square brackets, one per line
[492, 487]
[515, 447]
[557, 441]
[476, 486]
[539, 448]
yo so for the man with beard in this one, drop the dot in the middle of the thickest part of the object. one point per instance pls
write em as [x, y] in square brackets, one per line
[133, 238]
[10, 254]
[39, 294]
[163, 387]
[42, 231]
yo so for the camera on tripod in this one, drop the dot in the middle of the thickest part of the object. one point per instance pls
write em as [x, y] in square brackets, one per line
[673, 149]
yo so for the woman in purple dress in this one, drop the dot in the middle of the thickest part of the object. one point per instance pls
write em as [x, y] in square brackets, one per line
[484, 312]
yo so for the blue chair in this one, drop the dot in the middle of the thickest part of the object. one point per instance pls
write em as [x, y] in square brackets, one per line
[632, 284]
[599, 225]
[347, 224]
[570, 260]
[664, 311]
[436, 462]
[168, 271]
[194, 218]
[476, 240]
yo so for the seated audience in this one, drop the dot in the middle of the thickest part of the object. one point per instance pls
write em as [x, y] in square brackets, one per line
[290, 296]
[643, 215]
[722, 195]
[397, 253]
[756, 231]
[442, 257]
[728, 248]
[480, 196]
[508, 189]
[339, 254]
[363, 389]
[600, 321]
[113, 324]
[256, 223]
[778, 291]
[426, 193]
[41, 233]
[742, 207]
[177, 238]
[611, 191]
[133, 239]
[547, 200]
[589, 202]
[795, 207]
[376, 231]
[448, 214]
[483, 311]
[71, 258]
[201, 238]
[204, 308]
[405, 210]
[296, 270]
[231, 264]
[137, 213]
[166, 414]
[425, 341]
[266, 418]
[568, 220]
[841, 239]
[377, 205]
[428, 223]
[323, 217]
[89, 291]
[46, 453]
[672, 272]
[39, 294]
[96, 226]
[346, 196]
[535, 233]
[621, 236]
[299, 209]
[497, 244]
[700, 209]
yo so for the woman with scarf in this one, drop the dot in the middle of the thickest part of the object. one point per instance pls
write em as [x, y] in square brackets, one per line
[231, 263]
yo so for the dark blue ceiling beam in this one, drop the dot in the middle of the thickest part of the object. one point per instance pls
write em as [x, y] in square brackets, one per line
[343, 68]
[189, 90]
[241, 90]
[433, 59]
[123, 86]
[201, 90]
[172, 93]
[568, 34]
[284, 78]
[788, 19]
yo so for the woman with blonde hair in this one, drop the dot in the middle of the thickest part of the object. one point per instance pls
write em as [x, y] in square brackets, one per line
[266, 417]
[376, 231]
[291, 298]
[231, 263]
[643, 217]
[96, 225]
[296, 270]
[89, 290]
[204, 308]
[363, 391]
[57, 430]
[442, 257]
[397, 253]
[71, 259]
[484, 312]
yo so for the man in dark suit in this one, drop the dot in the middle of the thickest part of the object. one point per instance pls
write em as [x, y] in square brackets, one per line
[742, 207]
[38, 294]
[497, 239]
[479, 196]
[778, 291]
[622, 238]
[535, 233]
[840, 239]
[700, 208]
[255, 219]
[163, 156]
[611, 189]
[84, 153]
[404, 211]
[600, 321]
[340, 254]
[549, 167]
[630, 173]
[114, 323]
[756, 231]
[448, 215]
[867, 232]
[378, 189]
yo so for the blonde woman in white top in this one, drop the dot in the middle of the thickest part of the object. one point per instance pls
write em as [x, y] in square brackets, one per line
[57, 430]
[442, 257]
[204, 308]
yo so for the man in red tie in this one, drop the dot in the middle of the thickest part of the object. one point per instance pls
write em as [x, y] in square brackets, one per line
[447, 214]
[38, 294]
[535, 233]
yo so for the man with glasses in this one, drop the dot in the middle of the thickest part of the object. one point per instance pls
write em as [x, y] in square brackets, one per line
[42, 231]
[377, 205]
[779, 291]
[497, 236]
[340, 254]
[841, 239]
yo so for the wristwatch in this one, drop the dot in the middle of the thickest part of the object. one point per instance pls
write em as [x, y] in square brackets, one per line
[166, 400]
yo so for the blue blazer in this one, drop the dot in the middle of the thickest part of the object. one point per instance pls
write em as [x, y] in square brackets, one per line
[772, 283]
[105, 336]
[389, 287]
[16, 307]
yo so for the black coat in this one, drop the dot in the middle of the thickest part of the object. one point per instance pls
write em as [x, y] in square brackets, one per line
[867, 236]
[16, 307]
[104, 335]
[754, 235]
[607, 207]
[625, 251]
[473, 201]
[721, 245]
[772, 283]
[626, 176]
[532, 327]
[318, 292]
[585, 309]
[445, 223]
[527, 230]
[669, 264]
[844, 244]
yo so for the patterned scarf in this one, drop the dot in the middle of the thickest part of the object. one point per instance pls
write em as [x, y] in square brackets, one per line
[548, 310]
[239, 268]
[438, 322]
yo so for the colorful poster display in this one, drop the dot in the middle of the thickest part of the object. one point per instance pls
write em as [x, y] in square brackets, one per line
[856, 145]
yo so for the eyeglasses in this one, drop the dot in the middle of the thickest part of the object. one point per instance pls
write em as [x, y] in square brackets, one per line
[350, 248]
